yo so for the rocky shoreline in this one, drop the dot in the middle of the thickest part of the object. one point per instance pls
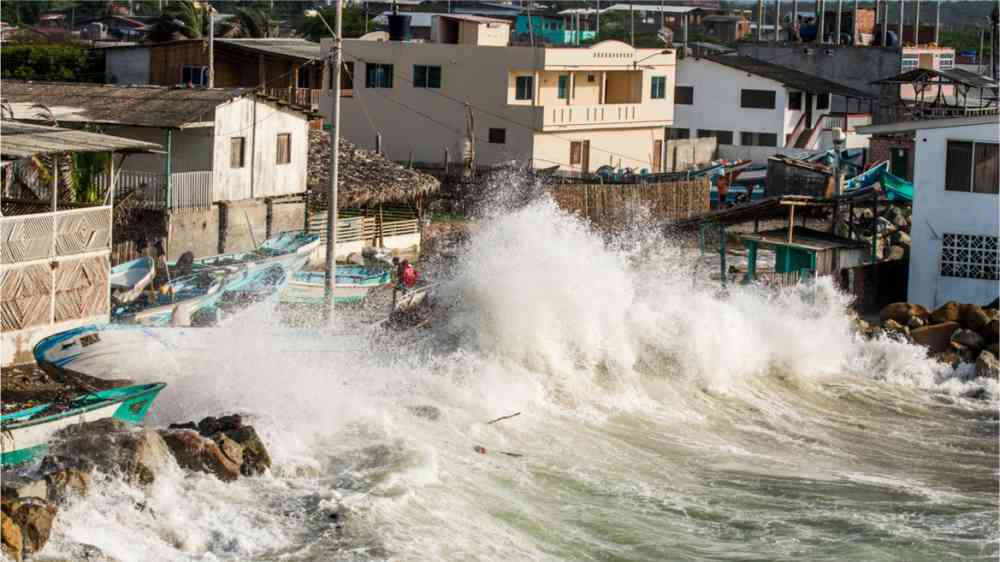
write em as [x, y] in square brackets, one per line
[224, 447]
[954, 333]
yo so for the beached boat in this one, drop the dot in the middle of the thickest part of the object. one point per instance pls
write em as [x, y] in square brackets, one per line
[25, 434]
[130, 278]
[187, 292]
[352, 285]
[290, 249]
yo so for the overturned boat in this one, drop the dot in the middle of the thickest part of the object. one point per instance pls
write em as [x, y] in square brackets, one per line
[129, 279]
[25, 434]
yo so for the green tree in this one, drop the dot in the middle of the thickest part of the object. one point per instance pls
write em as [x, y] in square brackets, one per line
[62, 62]
[248, 22]
[181, 19]
[353, 23]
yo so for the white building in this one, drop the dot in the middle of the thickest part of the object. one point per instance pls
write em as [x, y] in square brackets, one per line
[576, 108]
[755, 109]
[955, 209]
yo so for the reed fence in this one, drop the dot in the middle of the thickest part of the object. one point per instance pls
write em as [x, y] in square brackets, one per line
[615, 206]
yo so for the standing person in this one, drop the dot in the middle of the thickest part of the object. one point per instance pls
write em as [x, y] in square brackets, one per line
[722, 185]
[409, 276]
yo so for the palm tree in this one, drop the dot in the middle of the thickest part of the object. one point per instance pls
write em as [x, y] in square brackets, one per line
[248, 22]
[184, 19]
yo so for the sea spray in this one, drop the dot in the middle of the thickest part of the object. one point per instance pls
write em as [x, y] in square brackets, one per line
[661, 419]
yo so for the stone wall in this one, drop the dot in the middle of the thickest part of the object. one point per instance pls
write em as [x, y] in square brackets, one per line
[231, 227]
[880, 148]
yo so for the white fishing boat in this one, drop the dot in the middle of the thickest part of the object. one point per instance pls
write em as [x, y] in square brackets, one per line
[129, 279]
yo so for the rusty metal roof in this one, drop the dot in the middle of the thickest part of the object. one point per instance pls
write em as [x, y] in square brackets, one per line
[22, 140]
[144, 106]
[283, 46]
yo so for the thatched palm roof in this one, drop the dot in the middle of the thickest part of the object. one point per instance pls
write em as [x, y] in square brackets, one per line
[366, 178]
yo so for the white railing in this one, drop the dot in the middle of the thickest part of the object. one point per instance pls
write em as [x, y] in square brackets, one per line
[188, 190]
[590, 114]
[191, 190]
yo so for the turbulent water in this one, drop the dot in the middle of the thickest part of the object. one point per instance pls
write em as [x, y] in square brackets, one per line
[659, 420]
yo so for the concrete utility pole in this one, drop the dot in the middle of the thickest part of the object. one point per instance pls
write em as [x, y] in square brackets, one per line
[980, 69]
[840, 18]
[916, 25]
[334, 63]
[821, 22]
[598, 16]
[937, 23]
[211, 47]
[855, 35]
[795, 13]
[777, 21]
[902, 20]
[885, 23]
[760, 20]
[631, 19]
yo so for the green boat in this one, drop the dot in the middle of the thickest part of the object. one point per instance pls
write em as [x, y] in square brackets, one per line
[25, 434]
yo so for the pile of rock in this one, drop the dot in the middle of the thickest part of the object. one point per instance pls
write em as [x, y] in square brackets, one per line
[221, 446]
[893, 226]
[952, 333]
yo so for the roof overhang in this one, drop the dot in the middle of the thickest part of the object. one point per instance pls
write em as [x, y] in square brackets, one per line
[24, 140]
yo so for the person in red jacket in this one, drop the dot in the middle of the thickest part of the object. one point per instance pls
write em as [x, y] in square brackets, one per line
[409, 276]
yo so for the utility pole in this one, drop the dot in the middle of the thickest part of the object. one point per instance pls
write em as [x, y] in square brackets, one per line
[937, 23]
[979, 54]
[631, 19]
[902, 20]
[334, 63]
[777, 21]
[211, 47]
[760, 21]
[916, 25]
[598, 15]
[821, 29]
[855, 36]
[840, 19]
[885, 24]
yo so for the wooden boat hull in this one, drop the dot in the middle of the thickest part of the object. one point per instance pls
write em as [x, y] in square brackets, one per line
[131, 278]
[24, 438]
[352, 285]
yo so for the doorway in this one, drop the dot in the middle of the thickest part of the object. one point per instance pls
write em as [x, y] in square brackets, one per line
[899, 162]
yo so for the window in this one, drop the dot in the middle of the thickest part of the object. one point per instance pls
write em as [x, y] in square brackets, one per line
[675, 134]
[795, 101]
[563, 86]
[498, 136]
[972, 167]
[524, 85]
[236, 145]
[378, 75]
[757, 99]
[659, 87]
[969, 256]
[194, 75]
[822, 101]
[723, 137]
[909, 62]
[758, 139]
[304, 78]
[683, 95]
[426, 76]
[946, 61]
[591, 78]
[575, 153]
[284, 148]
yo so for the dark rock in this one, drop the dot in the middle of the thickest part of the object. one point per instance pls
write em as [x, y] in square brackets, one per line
[21, 486]
[902, 312]
[947, 312]
[211, 426]
[991, 331]
[33, 517]
[994, 349]
[968, 338]
[987, 365]
[114, 447]
[891, 325]
[894, 253]
[11, 537]
[936, 337]
[67, 482]
[972, 316]
[256, 459]
[915, 322]
[433, 412]
[230, 448]
[966, 354]
[185, 425]
[194, 452]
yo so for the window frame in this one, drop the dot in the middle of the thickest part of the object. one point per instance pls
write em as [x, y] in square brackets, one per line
[277, 149]
[946, 57]
[714, 133]
[562, 87]
[530, 86]
[990, 187]
[378, 75]
[497, 135]
[427, 80]
[909, 62]
[203, 82]
[672, 134]
[679, 99]
[744, 100]
[657, 87]
[243, 152]
[823, 101]
[796, 95]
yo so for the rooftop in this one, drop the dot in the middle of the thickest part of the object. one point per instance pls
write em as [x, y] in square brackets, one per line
[22, 140]
[473, 19]
[144, 106]
[955, 76]
[788, 76]
[802, 237]
[287, 47]
[905, 126]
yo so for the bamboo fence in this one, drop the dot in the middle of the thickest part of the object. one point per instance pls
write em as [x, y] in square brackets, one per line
[615, 206]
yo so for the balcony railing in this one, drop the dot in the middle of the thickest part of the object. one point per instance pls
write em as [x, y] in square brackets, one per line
[604, 114]
[302, 97]
[188, 190]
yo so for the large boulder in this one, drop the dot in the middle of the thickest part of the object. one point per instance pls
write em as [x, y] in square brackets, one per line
[987, 365]
[238, 443]
[991, 331]
[947, 312]
[33, 517]
[10, 535]
[114, 447]
[972, 316]
[891, 325]
[936, 337]
[902, 312]
[968, 338]
[256, 459]
[194, 452]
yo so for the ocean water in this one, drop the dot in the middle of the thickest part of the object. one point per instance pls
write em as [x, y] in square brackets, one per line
[658, 420]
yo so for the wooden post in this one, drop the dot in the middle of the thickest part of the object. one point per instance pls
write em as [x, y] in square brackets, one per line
[55, 182]
[381, 222]
[791, 222]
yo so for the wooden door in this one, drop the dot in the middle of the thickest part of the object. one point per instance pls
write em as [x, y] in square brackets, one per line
[585, 158]
[657, 156]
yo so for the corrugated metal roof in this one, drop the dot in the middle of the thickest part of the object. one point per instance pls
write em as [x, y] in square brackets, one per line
[788, 76]
[21, 140]
[955, 75]
[904, 126]
[145, 106]
[473, 19]
[286, 47]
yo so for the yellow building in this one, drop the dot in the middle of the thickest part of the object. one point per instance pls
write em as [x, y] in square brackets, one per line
[578, 108]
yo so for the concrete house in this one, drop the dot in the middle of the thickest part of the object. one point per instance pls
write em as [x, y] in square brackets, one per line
[754, 109]
[575, 108]
[225, 151]
[283, 68]
[956, 209]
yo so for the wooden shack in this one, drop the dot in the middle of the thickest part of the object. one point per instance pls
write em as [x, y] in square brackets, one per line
[790, 176]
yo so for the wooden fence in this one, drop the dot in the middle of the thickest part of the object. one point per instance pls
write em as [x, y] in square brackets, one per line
[615, 206]
[354, 225]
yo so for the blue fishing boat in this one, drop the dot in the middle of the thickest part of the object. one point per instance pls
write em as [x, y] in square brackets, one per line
[130, 278]
[156, 309]
[25, 434]
[290, 249]
[352, 284]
